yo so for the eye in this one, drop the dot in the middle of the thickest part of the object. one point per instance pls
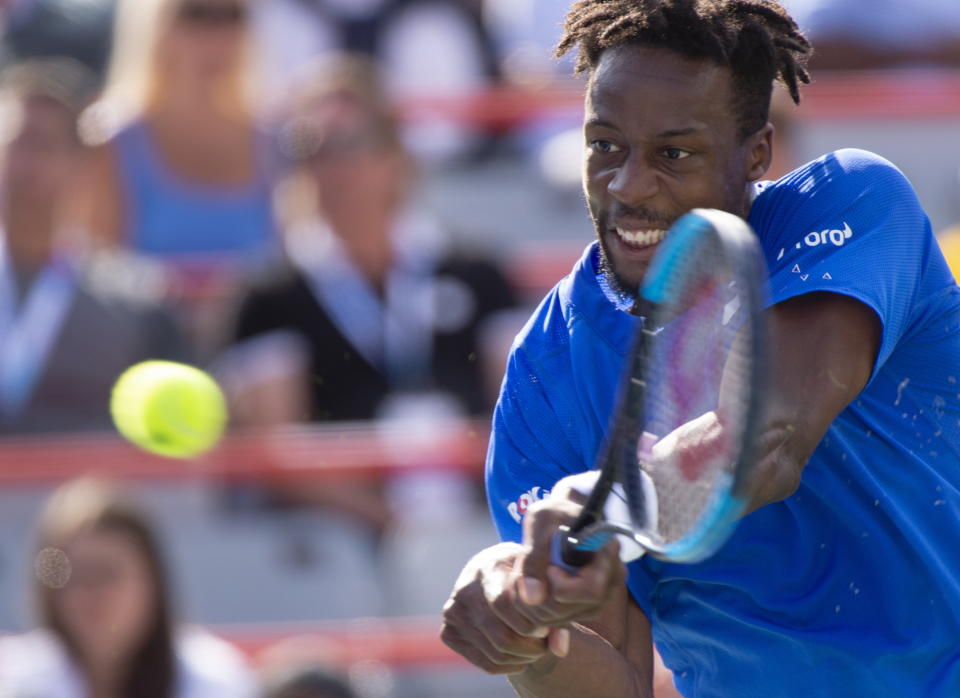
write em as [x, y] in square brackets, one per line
[602, 146]
[675, 153]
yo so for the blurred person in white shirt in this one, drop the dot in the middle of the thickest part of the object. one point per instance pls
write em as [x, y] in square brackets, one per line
[107, 629]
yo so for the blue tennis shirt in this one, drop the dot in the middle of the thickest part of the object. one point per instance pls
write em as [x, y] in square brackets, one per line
[851, 586]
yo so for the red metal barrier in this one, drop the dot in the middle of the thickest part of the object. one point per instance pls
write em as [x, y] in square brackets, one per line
[289, 453]
[399, 642]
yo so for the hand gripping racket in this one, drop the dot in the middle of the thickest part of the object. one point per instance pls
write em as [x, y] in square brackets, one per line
[679, 449]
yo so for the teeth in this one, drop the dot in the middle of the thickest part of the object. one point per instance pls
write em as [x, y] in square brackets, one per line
[641, 237]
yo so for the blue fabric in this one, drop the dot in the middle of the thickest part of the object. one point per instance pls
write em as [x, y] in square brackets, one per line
[171, 217]
[850, 587]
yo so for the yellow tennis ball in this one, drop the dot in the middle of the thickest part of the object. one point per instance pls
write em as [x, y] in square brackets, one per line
[169, 408]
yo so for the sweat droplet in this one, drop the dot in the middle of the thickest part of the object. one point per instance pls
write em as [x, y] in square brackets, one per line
[903, 384]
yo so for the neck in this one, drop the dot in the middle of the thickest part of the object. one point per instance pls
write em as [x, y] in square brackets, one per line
[749, 194]
[103, 675]
[196, 99]
[366, 239]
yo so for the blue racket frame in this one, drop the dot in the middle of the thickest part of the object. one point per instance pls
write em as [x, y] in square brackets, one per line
[575, 546]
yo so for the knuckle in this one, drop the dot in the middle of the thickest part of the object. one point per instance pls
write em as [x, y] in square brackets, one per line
[523, 625]
[449, 636]
[596, 582]
[502, 603]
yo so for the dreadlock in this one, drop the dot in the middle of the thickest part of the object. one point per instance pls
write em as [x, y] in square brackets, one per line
[757, 39]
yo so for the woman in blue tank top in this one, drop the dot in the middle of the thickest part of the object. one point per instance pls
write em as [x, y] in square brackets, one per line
[186, 177]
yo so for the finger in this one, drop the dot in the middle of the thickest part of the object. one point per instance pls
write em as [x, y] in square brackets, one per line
[518, 616]
[510, 644]
[539, 526]
[501, 619]
[559, 642]
[476, 655]
[589, 586]
[592, 581]
[477, 645]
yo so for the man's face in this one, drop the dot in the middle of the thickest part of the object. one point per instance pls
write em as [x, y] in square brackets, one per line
[662, 138]
[40, 154]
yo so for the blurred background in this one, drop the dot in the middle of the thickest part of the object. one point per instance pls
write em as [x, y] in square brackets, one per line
[344, 210]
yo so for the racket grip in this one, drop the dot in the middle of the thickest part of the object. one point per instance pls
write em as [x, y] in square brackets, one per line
[565, 554]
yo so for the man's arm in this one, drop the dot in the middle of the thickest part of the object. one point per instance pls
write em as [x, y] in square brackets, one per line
[823, 348]
[611, 652]
[524, 631]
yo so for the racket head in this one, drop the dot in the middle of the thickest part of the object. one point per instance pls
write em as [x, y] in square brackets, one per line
[702, 367]
[702, 299]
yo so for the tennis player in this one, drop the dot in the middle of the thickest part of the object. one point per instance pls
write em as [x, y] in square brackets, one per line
[844, 579]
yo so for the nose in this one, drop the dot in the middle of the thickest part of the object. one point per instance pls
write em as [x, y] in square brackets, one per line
[634, 182]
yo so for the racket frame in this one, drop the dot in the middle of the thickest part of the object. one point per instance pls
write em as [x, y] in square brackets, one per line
[574, 546]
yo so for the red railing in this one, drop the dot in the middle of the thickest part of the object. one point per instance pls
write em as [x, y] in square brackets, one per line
[289, 453]
[923, 93]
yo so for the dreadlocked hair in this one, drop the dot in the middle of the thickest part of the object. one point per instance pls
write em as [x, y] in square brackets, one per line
[756, 39]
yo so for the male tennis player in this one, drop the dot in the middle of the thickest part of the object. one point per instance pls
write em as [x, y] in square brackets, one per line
[844, 580]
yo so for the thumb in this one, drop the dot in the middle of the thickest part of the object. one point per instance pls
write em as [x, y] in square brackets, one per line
[539, 526]
[531, 580]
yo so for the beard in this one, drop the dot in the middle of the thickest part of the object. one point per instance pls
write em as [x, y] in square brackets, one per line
[621, 283]
[626, 291]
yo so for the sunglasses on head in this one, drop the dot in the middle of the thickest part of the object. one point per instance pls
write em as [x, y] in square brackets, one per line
[212, 14]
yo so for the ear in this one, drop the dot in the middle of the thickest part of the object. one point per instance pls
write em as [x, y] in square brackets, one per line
[759, 153]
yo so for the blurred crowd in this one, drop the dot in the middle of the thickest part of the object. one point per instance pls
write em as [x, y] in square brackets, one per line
[235, 184]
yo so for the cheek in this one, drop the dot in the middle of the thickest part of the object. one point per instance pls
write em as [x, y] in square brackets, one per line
[121, 610]
[595, 188]
[131, 610]
[709, 187]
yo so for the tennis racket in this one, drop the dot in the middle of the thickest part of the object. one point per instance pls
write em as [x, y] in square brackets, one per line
[679, 450]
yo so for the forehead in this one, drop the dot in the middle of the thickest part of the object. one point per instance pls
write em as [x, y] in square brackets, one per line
[104, 543]
[656, 87]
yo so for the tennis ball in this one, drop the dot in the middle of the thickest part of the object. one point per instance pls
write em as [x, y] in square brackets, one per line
[168, 408]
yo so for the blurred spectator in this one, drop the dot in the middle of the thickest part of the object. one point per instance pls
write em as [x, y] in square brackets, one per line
[107, 629]
[375, 317]
[950, 245]
[526, 33]
[374, 299]
[307, 682]
[77, 29]
[184, 174]
[65, 334]
[872, 34]
[405, 37]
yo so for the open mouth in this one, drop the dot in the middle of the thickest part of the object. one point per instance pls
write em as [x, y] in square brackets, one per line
[640, 239]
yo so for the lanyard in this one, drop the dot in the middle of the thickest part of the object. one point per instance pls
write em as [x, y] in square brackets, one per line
[395, 333]
[28, 329]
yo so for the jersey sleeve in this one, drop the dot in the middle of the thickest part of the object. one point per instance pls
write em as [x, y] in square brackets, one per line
[848, 223]
[528, 451]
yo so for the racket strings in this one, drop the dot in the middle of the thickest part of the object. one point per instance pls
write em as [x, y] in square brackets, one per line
[693, 442]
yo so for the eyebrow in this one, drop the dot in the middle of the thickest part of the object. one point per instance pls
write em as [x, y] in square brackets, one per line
[669, 133]
[677, 132]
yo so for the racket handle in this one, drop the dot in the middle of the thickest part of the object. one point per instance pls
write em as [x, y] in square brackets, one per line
[565, 554]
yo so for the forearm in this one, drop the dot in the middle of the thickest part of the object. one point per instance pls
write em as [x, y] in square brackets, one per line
[594, 667]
